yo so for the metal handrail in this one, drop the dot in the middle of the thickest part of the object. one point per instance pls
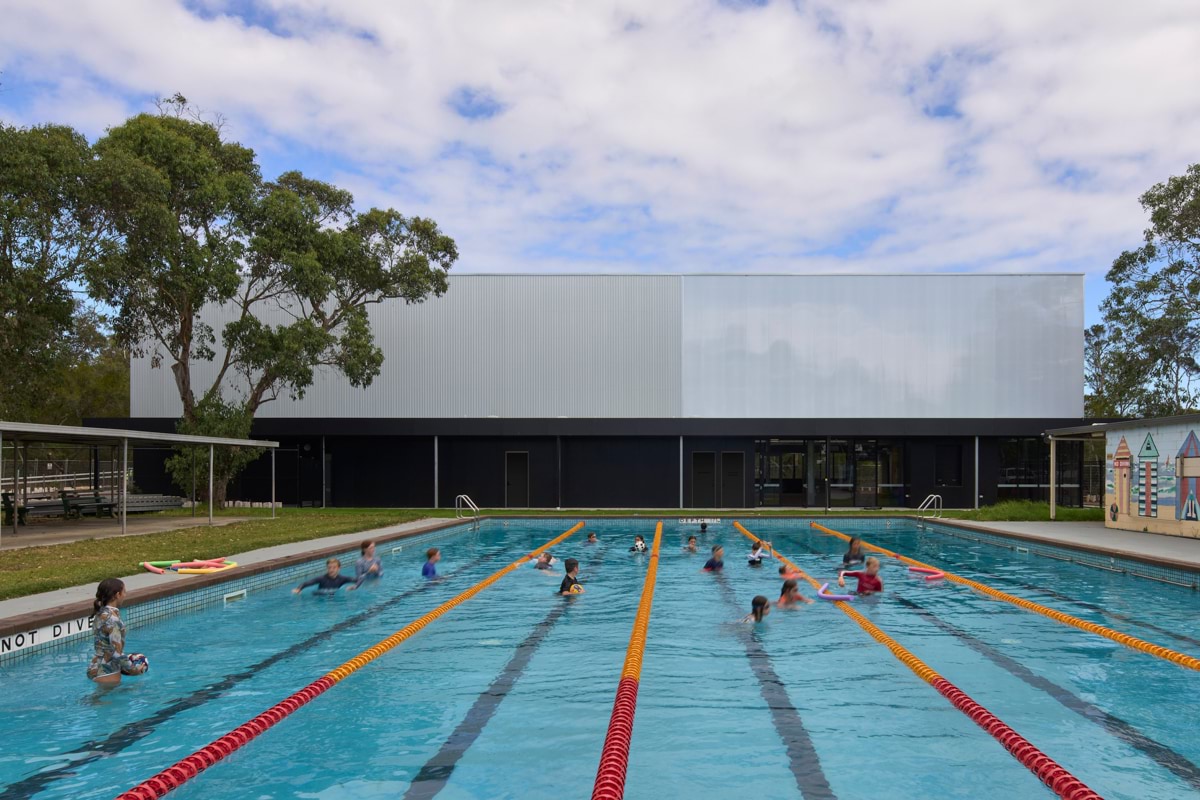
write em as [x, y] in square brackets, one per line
[461, 504]
[932, 504]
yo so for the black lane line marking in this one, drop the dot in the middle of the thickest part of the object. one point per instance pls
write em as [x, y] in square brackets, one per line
[1180, 765]
[802, 756]
[132, 732]
[1169, 759]
[1083, 603]
[434, 776]
[1102, 610]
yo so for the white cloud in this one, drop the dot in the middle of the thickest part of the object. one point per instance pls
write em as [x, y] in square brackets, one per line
[679, 135]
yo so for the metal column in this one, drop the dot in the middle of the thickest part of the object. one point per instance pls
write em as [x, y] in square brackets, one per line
[210, 484]
[976, 472]
[324, 488]
[681, 472]
[124, 484]
[558, 448]
[14, 511]
[272, 483]
[435, 472]
[1053, 475]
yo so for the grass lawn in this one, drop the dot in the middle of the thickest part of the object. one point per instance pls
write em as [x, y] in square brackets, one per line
[41, 569]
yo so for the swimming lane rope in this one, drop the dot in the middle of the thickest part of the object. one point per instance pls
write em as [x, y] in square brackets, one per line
[1182, 659]
[614, 758]
[182, 771]
[1061, 782]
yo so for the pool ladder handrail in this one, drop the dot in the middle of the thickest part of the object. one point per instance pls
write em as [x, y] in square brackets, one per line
[931, 504]
[461, 504]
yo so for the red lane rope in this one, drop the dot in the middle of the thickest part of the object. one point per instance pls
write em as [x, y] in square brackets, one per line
[182, 771]
[1063, 783]
[614, 758]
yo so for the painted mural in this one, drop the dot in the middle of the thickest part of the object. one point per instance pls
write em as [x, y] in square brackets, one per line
[1155, 487]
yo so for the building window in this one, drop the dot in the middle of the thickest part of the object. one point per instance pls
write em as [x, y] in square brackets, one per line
[948, 465]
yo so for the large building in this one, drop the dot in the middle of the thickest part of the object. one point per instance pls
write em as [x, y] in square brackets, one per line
[703, 391]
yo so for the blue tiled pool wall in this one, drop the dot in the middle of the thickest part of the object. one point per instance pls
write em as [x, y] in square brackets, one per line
[153, 611]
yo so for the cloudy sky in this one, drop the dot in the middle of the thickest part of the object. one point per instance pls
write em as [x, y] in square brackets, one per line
[672, 136]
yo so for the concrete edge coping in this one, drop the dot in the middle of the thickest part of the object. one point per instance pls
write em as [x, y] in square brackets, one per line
[1086, 548]
[69, 611]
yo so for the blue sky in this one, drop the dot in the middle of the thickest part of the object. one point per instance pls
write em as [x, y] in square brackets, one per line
[806, 136]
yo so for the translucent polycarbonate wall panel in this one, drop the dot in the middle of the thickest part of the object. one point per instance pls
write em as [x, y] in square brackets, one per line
[882, 346]
[493, 346]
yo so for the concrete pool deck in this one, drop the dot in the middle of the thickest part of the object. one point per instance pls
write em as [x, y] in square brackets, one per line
[1175, 551]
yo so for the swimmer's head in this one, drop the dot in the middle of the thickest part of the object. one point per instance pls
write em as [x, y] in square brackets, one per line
[591, 537]
[108, 590]
[855, 544]
[718, 551]
[433, 554]
[639, 538]
[333, 567]
[368, 548]
[789, 587]
[571, 565]
[760, 606]
[783, 570]
[872, 565]
[703, 527]
[691, 540]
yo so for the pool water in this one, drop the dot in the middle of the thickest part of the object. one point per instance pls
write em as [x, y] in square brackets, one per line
[509, 695]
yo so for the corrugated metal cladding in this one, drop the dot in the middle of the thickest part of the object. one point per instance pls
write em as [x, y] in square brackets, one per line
[883, 346]
[716, 346]
[496, 346]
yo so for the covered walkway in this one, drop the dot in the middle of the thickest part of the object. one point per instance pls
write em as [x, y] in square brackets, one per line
[18, 435]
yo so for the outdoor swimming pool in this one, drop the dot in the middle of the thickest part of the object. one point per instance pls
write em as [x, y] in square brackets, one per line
[509, 695]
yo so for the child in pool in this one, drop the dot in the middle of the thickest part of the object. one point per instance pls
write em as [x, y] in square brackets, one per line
[109, 662]
[330, 582]
[855, 554]
[786, 573]
[545, 561]
[691, 545]
[592, 539]
[717, 562]
[432, 557]
[639, 544]
[570, 584]
[868, 579]
[369, 565]
[789, 595]
[760, 606]
[761, 550]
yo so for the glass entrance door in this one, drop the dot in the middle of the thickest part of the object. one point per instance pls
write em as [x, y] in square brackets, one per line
[790, 472]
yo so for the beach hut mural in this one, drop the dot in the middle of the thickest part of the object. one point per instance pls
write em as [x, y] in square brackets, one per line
[1148, 478]
[1122, 461]
[1187, 486]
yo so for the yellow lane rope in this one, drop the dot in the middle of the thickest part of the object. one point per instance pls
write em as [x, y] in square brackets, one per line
[1175, 657]
[367, 656]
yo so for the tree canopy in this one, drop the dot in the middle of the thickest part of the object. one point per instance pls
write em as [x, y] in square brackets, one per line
[51, 226]
[292, 265]
[1151, 337]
